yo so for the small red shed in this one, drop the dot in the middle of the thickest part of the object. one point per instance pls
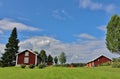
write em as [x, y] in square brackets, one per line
[96, 62]
[26, 57]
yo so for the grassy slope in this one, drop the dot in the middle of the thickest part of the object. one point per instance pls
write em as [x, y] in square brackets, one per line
[60, 73]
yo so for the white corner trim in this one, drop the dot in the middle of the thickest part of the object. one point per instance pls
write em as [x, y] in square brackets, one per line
[16, 60]
[35, 59]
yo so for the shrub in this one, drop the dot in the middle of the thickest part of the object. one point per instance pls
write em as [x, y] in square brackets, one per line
[41, 66]
[116, 64]
[116, 59]
[57, 65]
[1, 64]
[71, 65]
[31, 66]
[78, 64]
[66, 65]
[61, 65]
[23, 65]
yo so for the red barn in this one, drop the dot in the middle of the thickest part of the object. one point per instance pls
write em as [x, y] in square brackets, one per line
[26, 57]
[96, 62]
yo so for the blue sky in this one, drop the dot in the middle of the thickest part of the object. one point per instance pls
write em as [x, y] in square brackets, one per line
[77, 27]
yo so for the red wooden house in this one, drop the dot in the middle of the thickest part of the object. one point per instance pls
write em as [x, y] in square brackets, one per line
[96, 62]
[26, 57]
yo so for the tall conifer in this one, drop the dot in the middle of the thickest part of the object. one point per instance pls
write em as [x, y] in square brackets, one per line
[11, 49]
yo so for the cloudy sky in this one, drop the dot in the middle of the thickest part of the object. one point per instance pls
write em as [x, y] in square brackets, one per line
[76, 27]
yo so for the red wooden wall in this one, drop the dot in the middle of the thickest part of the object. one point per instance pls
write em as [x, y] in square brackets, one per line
[101, 60]
[98, 61]
[31, 57]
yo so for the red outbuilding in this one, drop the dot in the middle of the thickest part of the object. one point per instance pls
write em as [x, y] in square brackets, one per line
[100, 60]
[26, 57]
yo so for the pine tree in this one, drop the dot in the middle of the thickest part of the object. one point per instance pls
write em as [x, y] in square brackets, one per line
[56, 60]
[50, 60]
[11, 49]
[113, 34]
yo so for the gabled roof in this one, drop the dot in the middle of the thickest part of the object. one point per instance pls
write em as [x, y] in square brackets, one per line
[98, 58]
[27, 50]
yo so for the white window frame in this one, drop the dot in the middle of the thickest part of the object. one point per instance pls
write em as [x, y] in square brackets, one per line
[26, 59]
[26, 53]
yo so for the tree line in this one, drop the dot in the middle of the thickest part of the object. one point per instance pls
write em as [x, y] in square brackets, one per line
[49, 60]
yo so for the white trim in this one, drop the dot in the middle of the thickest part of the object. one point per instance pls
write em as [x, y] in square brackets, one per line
[26, 50]
[16, 60]
[35, 59]
[93, 64]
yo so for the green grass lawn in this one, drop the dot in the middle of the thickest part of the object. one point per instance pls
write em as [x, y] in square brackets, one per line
[60, 73]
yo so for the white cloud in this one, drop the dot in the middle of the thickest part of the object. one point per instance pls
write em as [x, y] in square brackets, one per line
[1, 32]
[2, 47]
[90, 4]
[109, 8]
[86, 36]
[23, 18]
[61, 14]
[102, 27]
[7, 24]
[96, 6]
[76, 52]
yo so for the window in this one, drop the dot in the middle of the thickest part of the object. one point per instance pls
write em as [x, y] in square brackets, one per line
[26, 53]
[98, 59]
[26, 60]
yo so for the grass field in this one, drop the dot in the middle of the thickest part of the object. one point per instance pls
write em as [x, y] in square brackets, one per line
[60, 73]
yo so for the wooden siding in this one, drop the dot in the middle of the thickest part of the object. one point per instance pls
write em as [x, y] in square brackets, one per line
[31, 56]
[101, 60]
[98, 61]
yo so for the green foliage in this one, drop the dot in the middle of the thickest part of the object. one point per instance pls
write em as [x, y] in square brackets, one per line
[50, 60]
[56, 60]
[62, 58]
[11, 49]
[116, 59]
[78, 64]
[65, 65]
[36, 52]
[57, 65]
[113, 34]
[116, 63]
[1, 64]
[22, 65]
[43, 56]
[71, 65]
[31, 66]
[105, 64]
[62, 65]
[41, 66]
